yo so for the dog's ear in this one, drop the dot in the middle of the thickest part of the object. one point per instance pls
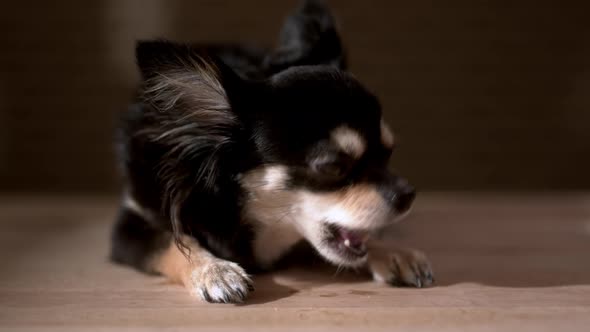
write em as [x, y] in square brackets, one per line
[308, 37]
[191, 99]
[181, 75]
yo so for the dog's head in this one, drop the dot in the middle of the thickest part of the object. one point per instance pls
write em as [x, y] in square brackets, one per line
[313, 146]
[325, 149]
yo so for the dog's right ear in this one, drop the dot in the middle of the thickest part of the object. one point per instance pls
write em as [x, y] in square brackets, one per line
[309, 37]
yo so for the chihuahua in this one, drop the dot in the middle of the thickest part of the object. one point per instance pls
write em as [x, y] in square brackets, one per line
[233, 154]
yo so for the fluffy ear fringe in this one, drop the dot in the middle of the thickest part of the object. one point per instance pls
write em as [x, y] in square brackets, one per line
[192, 114]
[190, 119]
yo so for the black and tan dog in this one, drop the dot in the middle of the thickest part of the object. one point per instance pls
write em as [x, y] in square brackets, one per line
[232, 155]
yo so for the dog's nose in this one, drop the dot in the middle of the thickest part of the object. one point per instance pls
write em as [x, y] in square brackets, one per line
[404, 199]
[395, 190]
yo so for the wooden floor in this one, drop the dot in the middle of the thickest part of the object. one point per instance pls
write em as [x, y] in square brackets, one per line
[502, 262]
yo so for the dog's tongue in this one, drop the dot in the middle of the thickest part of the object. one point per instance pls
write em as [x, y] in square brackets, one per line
[353, 239]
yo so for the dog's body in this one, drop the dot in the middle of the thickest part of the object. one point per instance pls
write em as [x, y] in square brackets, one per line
[232, 155]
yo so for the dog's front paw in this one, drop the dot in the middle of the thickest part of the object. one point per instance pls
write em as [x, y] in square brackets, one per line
[220, 281]
[401, 267]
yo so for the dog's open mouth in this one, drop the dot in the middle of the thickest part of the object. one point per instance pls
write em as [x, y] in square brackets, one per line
[347, 242]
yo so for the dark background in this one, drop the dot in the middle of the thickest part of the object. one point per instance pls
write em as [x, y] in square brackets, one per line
[483, 95]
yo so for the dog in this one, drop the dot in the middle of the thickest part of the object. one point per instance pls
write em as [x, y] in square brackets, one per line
[232, 155]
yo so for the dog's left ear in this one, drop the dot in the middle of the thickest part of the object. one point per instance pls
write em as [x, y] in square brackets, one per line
[182, 76]
[309, 37]
[192, 98]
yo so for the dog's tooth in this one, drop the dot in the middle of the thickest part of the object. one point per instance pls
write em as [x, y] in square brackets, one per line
[347, 242]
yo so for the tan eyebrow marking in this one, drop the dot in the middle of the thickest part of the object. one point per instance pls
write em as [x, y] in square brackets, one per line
[349, 140]
[386, 135]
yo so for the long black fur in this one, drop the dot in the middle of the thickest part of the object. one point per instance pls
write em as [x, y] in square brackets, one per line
[205, 114]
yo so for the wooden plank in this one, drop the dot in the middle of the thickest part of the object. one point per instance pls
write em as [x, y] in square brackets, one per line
[502, 262]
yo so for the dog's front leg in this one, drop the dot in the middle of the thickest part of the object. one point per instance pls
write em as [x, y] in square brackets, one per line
[204, 275]
[399, 266]
[139, 243]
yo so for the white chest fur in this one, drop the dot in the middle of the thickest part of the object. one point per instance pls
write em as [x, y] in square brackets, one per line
[274, 240]
[270, 207]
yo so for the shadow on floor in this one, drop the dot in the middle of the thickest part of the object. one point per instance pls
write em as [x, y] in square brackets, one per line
[507, 246]
[307, 270]
[506, 243]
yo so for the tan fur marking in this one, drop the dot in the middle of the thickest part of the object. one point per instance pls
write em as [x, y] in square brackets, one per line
[173, 264]
[349, 140]
[204, 275]
[362, 197]
[358, 207]
[386, 135]
[359, 197]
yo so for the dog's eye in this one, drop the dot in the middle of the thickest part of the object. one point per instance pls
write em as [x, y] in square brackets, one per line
[332, 167]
